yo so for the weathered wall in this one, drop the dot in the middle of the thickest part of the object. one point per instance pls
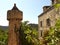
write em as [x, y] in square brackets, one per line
[52, 15]
[14, 17]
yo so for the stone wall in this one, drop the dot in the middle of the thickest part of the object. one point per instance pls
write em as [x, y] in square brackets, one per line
[52, 15]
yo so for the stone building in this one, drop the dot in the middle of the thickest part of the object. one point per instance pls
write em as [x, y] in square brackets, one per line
[47, 19]
[14, 16]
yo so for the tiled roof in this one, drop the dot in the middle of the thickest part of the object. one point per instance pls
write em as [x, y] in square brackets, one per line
[46, 11]
[15, 8]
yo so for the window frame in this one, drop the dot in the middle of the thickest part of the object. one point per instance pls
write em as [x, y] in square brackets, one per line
[41, 24]
[48, 22]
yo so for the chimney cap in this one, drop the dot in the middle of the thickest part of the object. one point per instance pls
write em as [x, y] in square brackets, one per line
[14, 4]
[15, 7]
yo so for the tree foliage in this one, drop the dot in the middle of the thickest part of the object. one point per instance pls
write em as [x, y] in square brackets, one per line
[30, 35]
[53, 36]
[3, 37]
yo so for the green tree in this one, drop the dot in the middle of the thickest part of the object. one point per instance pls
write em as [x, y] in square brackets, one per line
[53, 36]
[57, 5]
[29, 35]
[3, 37]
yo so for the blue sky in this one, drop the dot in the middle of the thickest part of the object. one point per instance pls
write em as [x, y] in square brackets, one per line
[31, 9]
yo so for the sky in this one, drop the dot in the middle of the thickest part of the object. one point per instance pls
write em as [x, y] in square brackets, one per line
[31, 9]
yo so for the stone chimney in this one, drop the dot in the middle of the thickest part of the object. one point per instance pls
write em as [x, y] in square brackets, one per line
[55, 1]
[45, 8]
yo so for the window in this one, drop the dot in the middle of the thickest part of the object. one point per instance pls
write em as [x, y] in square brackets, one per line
[41, 23]
[41, 33]
[48, 22]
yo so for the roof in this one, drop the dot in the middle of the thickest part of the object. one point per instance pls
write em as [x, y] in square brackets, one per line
[46, 6]
[15, 8]
[46, 11]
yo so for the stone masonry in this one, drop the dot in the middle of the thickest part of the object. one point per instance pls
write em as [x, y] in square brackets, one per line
[14, 16]
[47, 19]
